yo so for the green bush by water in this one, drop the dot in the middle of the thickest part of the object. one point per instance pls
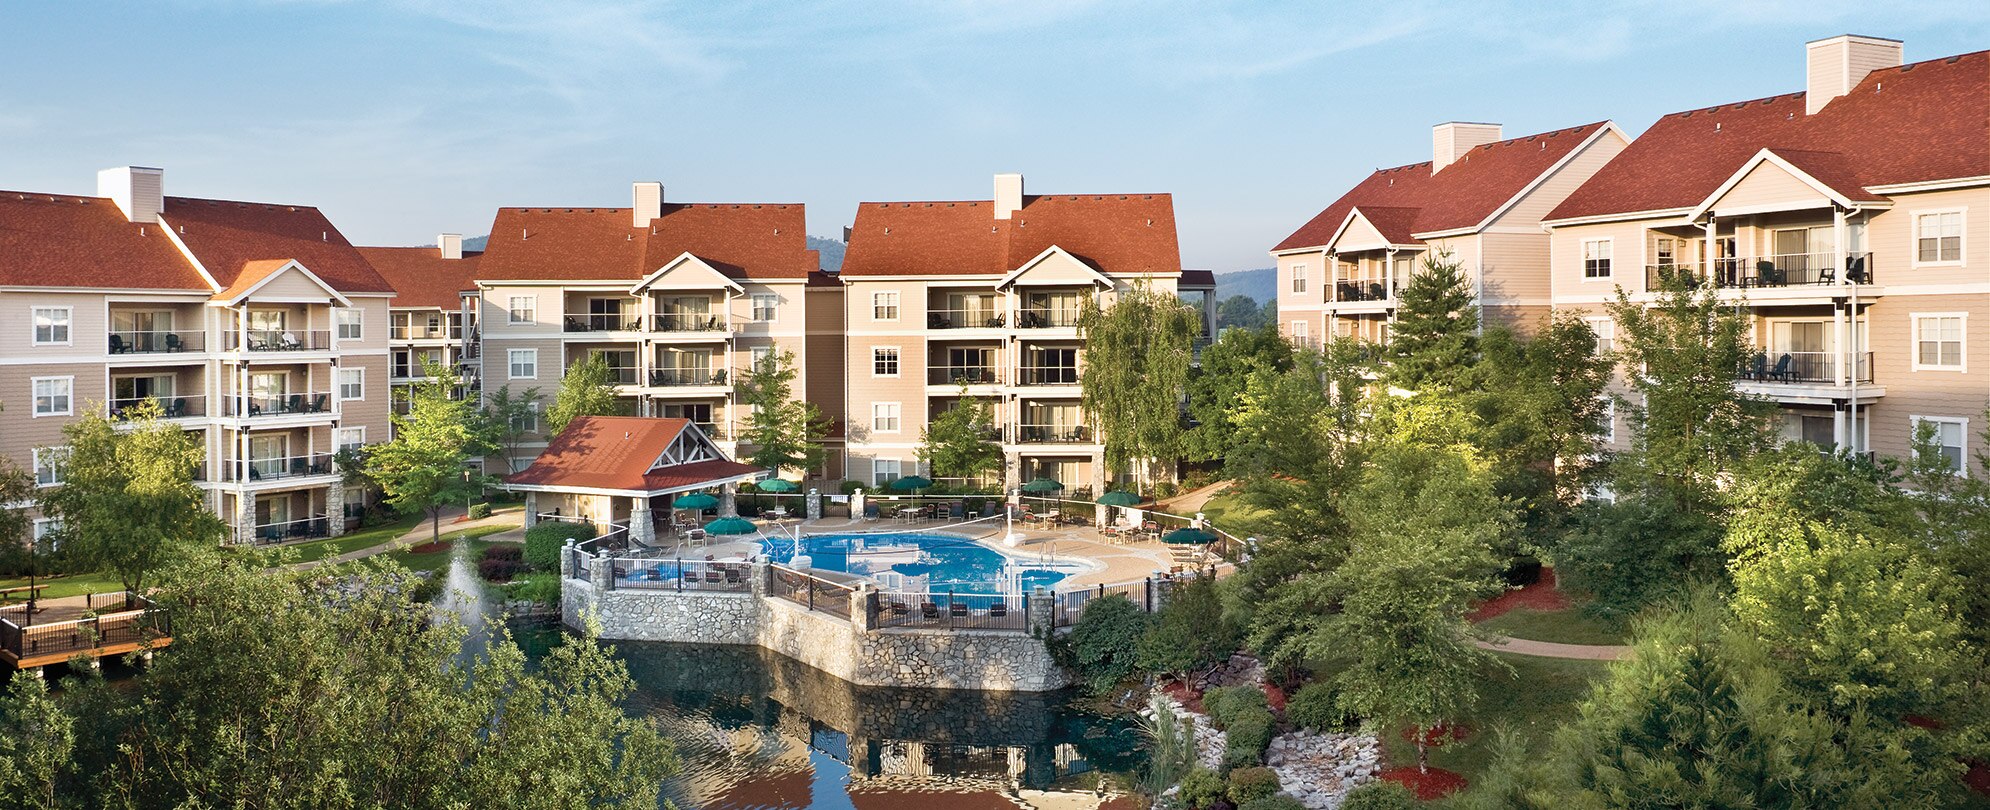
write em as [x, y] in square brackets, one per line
[544, 540]
[1202, 788]
[1380, 795]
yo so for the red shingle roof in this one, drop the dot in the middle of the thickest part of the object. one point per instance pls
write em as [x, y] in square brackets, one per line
[616, 452]
[1120, 234]
[1462, 195]
[421, 277]
[61, 241]
[1196, 278]
[226, 236]
[1923, 121]
[740, 240]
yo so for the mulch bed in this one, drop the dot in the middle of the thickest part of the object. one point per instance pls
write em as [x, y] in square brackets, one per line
[431, 547]
[1275, 696]
[1437, 783]
[1542, 595]
[1978, 777]
[1189, 698]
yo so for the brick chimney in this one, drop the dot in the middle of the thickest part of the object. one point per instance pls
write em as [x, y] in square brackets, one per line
[139, 192]
[1832, 67]
[451, 245]
[1450, 141]
[648, 196]
[1008, 194]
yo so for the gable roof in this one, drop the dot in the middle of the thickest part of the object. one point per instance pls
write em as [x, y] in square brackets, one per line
[1464, 194]
[1913, 123]
[257, 273]
[66, 241]
[226, 236]
[622, 453]
[743, 241]
[1118, 234]
[421, 278]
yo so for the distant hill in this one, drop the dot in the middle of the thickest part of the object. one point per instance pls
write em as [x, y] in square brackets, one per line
[1260, 285]
[832, 252]
[475, 242]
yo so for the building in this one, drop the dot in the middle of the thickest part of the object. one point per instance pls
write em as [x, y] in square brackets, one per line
[255, 325]
[680, 297]
[1849, 219]
[985, 294]
[1479, 199]
[430, 320]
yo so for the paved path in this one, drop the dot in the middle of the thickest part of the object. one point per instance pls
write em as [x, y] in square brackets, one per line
[510, 516]
[1549, 649]
[1191, 502]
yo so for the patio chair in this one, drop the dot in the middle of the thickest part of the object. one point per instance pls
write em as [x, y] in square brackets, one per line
[732, 575]
[290, 342]
[994, 323]
[118, 346]
[1782, 372]
[937, 321]
[899, 609]
[295, 404]
[998, 610]
[871, 511]
[712, 576]
[957, 510]
[1377, 292]
[1767, 274]
[929, 610]
[957, 610]
[1855, 270]
[174, 344]
[177, 409]
[319, 403]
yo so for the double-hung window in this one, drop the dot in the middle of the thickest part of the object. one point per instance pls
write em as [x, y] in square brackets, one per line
[352, 384]
[1938, 341]
[1596, 258]
[884, 306]
[47, 474]
[52, 325]
[763, 307]
[884, 471]
[1606, 334]
[1949, 436]
[351, 322]
[1299, 278]
[1938, 237]
[522, 308]
[347, 438]
[884, 361]
[52, 395]
[524, 363]
[884, 417]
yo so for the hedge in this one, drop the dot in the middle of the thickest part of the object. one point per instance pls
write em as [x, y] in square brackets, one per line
[1250, 784]
[544, 540]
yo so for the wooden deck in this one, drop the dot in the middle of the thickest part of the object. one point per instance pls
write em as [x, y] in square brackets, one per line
[94, 625]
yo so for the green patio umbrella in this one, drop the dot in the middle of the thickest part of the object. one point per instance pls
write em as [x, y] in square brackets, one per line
[912, 484]
[777, 485]
[731, 525]
[1117, 498]
[1188, 537]
[695, 500]
[1041, 484]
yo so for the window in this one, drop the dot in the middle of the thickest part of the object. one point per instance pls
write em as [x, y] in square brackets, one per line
[51, 395]
[1606, 334]
[884, 417]
[884, 471]
[350, 320]
[523, 308]
[524, 363]
[1664, 250]
[762, 356]
[346, 438]
[352, 384]
[1938, 341]
[45, 461]
[884, 362]
[527, 421]
[44, 528]
[1301, 333]
[763, 307]
[884, 306]
[1948, 434]
[52, 325]
[1596, 258]
[1299, 278]
[1609, 418]
[1938, 237]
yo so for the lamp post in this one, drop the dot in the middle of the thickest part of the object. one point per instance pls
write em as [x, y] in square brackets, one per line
[467, 495]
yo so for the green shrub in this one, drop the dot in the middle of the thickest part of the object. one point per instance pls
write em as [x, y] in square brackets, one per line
[1189, 631]
[1249, 736]
[425, 588]
[1103, 646]
[541, 588]
[480, 510]
[1276, 801]
[1314, 707]
[1225, 702]
[544, 540]
[1380, 795]
[1202, 788]
[1250, 784]
[849, 487]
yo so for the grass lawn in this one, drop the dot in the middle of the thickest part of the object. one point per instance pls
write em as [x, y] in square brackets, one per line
[1572, 626]
[437, 560]
[69, 585]
[364, 538]
[1228, 512]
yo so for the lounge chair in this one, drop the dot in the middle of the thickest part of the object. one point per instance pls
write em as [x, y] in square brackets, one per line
[177, 409]
[173, 343]
[295, 404]
[1782, 372]
[929, 610]
[1377, 292]
[118, 346]
[1760, 370]
[1767, 275]
[998, 610]
[899, 609]
[319, 403]
[957, 610]
[713, 577]
[1855, 270]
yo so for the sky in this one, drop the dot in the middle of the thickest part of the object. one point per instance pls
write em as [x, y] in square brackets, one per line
[407, 118]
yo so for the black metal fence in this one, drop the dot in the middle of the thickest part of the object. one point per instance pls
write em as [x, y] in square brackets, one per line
[813, 592]
[948, 610]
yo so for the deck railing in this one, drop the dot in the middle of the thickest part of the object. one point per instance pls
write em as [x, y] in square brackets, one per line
[1047, 318]
[169, 407]
[677, 377]
[286, 531]
[681, 575]
[962, 375]
[130, 619]
[810, 591]
[688, 322]
[156, 342]
[1047, 375]
[277, 468]
[1803, 368]
[279, 340]
[602, 322]
[949, 610]
[281, 405]
[984, 318]
[1772, 270]
[1361, 289]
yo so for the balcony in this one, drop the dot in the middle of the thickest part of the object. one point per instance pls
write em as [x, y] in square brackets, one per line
[423, 332]
[259, 407]
[598, 322]
[1361, 289]
[1047, 318]
[277, 469]
[681, 377]
[169, 407]
[714, 431]
[1053, 434]
[287, 531]
[983, 318]
[962, 375]
[623, 375]
[688, 322]
[156, 342]
[1782, 270]
[1803, 368]
[1047, 375]
[271, 340]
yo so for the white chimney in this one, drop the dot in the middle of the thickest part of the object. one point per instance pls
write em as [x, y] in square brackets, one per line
[1008, 194]
[139, 192]
[1450, 141]
[648, 202]
[451, 244]
[1832, 67]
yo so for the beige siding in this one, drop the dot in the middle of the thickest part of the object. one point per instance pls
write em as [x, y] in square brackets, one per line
[1627, 269]
[293, 286]
[1514, 269]
[1528, 210]
[1766, 184]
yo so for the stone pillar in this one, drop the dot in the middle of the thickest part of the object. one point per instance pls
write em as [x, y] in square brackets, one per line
[642, 527]
[759, 584]
[1040, 606]
[531, 509]
[334, 510]
[602, 574]
[860, 601]
[728, 500]
[245, 519]
[814, 509]
[567, 560]
[857, 504]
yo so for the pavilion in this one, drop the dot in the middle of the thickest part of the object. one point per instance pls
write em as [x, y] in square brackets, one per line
[611, 469]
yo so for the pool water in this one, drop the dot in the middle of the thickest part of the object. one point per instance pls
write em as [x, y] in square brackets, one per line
[933, 562]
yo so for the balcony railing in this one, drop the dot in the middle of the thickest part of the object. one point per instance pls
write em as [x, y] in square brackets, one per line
[623, 376]
[597, 322]
[1361, 289]
[289, 530]
[962, 375]
[1053, 434]
[1046, 318]
[688, 322]
[1047, 375]
[276, 469]
[984, 318]
[714, 430]
[671, 377]
[285, 405]
[423, 332]
[114, 619]
[125, 342]
[272, 340]
[1777, 270]
[1803, 368]
[169, 407]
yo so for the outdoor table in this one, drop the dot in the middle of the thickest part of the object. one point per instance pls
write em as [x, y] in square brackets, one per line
[777, 512]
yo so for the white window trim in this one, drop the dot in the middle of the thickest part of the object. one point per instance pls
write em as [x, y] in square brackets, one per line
[35, 465]
[1914, 245]
[899, 362]
[1298, 285]
[39, 532]
[897, 301]
[1609, 419]
[338, 379]
[1582, 258]
[35, 410]
[360, 429]
[1600, 325]
[1914, 424]
[511, 364]
[753, 307]
[358, 323]
[69, 326]
[899, 473]
[1914, 341]
[898, 416]
[511, 309]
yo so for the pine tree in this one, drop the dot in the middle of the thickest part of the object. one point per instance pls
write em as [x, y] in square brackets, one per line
[1433, 341]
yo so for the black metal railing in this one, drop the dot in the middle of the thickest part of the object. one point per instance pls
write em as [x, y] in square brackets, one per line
[133, 342]
[681, 575]
[1053, 434]
[1771, 271]
[688, 322]
[984, 318]
[276, 469]
[123, 619]
[283, 405]
[1803, 367]
[278, 340]
[1047, 375]
[948, 610]
[1361, 290]
[813, 592]
[601, 322]
[962, 375]
[668, 377]
[169, 407]
[1047, 318]
[305, 529]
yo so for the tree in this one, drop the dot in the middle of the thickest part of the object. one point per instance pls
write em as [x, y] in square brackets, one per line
[784, 432]
[1433, 341]
[961, 442]
[1189, 631]
[1136, 362]
[1543, 404]
[36, 738]
[422, 468]
[1239, 311]
[20, 551]
[1103, 647]
[1216, 385]
[587, 389]
[507, 417]
[128, 503]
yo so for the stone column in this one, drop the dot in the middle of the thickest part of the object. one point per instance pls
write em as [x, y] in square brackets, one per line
[531, 509]
[860, 601]
[334, 510]
[759, 584]
[728, 500]
[245, 518]
[602, 573]
[857, 504]
[814, 504]
[1040, 606]
[567, 560]
[642, 527]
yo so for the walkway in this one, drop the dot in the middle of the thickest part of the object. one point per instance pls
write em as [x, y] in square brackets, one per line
[1191, 502]
[1549, 649]
[508, 516]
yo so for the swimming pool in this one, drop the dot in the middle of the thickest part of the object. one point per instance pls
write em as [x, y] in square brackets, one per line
[923, 562]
